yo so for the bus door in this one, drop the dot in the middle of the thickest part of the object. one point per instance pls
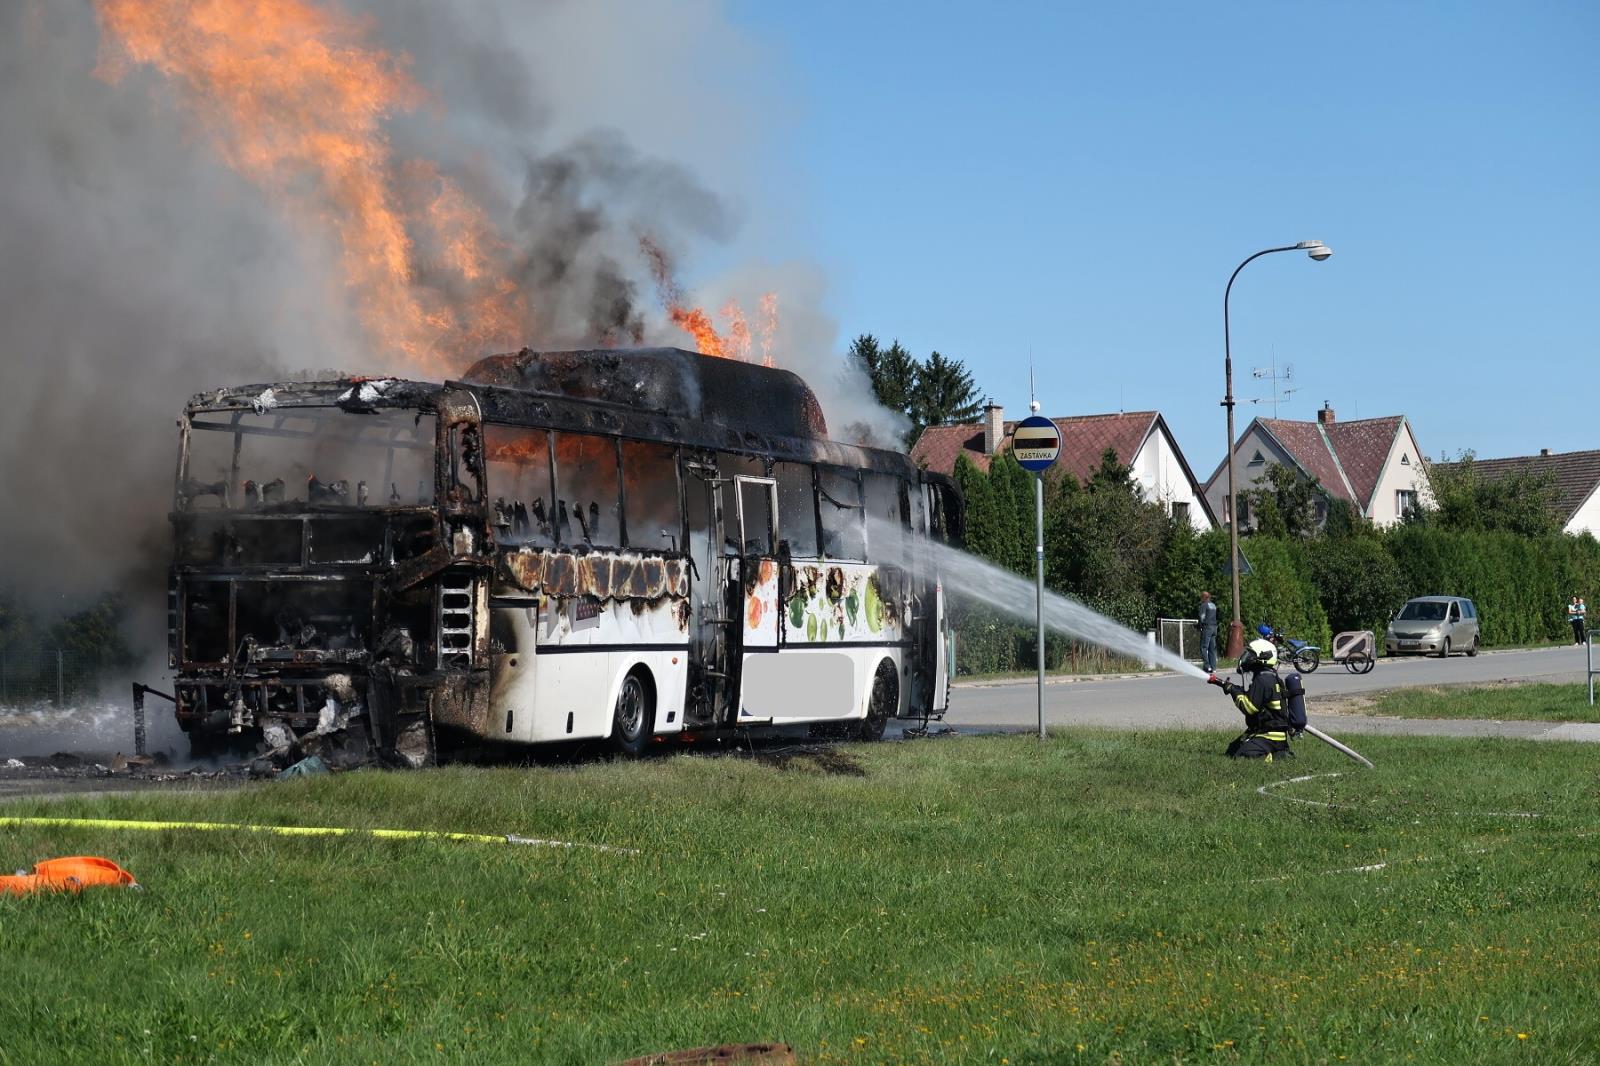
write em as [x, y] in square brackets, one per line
[758, 561]
[753, 575]
[712, 670]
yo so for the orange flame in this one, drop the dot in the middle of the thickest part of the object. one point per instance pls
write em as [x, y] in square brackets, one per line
[296, 99]
[768, 328]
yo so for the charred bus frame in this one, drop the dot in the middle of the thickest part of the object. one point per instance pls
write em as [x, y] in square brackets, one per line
[607, 544]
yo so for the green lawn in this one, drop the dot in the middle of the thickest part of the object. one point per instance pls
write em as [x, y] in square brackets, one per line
[1542, 703]
[1097, 897]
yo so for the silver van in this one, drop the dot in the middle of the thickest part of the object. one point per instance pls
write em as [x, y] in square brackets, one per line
[1433, 625]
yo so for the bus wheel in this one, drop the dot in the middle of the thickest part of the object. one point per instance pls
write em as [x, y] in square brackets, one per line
[633, 722]
[881, 707]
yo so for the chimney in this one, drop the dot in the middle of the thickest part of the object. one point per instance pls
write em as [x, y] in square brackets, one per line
[994, 426]
[1544, 451]
[1325, 416]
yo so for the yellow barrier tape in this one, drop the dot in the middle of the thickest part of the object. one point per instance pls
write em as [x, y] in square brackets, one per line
[314, 831]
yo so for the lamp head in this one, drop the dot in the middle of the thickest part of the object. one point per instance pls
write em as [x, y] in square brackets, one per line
[1316, 249]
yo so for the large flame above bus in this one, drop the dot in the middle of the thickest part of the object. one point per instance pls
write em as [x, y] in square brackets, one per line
[295, 96]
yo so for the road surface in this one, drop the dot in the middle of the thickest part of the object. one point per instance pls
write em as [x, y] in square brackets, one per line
[1171, 701]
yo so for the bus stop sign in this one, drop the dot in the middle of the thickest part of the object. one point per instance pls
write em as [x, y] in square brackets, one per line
[1036, 442]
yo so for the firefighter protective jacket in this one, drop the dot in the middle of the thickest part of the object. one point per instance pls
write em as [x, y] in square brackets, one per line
[1262, 703]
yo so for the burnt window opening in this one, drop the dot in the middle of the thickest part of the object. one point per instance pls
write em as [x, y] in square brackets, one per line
[520, 485]
[755, 517]
[797, 509]
[729, 467]
[466, 463]
[652, 516]
[294, 458]
[206, 613]
[883, 498]
[588, 487]
[843, 517]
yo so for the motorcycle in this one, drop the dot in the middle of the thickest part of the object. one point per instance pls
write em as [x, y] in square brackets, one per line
[1305, 656]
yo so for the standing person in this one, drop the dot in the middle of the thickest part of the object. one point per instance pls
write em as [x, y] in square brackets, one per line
[1207, 617]
[1266, 721]
[1577, 615]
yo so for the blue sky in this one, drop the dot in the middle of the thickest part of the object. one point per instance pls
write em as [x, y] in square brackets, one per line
[1080, 180]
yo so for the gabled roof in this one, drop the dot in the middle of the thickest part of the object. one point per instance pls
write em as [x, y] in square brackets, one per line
[1310, 448]
[1347, 458]
[1577, 475]
[1362, 448]
[1084, 439]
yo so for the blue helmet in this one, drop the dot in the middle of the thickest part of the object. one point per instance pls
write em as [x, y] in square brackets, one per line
[1264, 629]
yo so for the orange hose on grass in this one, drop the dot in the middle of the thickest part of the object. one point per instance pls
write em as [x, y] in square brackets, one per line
[72, 874]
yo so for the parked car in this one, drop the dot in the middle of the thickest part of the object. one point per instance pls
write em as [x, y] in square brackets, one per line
[1433, 625]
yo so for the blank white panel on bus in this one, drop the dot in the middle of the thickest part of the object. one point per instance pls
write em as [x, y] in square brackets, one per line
[798, 685]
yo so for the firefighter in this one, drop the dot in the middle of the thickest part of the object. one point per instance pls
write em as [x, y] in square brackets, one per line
[1266, 721]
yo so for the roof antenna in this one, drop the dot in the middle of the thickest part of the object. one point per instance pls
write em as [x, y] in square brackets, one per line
[1033, 402]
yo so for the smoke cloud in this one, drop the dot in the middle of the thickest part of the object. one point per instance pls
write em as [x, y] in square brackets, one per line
[142, 268]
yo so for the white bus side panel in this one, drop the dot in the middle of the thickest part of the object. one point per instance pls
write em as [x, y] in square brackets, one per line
[565, 688]
[810, 684]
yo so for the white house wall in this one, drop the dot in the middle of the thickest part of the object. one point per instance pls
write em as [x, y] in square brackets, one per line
[1587, 518]
[1399, 476]
[1161, 475]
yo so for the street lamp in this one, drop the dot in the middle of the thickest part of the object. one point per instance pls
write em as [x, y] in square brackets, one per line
[1319, 252]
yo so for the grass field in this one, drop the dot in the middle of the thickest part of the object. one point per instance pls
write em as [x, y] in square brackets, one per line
[1540, 703]
[1097, 897]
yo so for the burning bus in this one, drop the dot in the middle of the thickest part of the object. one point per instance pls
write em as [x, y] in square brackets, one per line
[580, 545]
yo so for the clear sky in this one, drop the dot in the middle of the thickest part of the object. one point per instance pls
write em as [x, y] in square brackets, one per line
[1079, 180]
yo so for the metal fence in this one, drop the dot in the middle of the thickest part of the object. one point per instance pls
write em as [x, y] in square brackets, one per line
[1180, 636]
[47, 675]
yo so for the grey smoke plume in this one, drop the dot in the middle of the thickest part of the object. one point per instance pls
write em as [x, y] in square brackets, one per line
[139, 269]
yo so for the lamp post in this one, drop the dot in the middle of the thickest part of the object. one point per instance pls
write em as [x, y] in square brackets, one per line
[1319, 252]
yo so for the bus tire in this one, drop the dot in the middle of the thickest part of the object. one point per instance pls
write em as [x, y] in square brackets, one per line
[633, 719]
[881, 705]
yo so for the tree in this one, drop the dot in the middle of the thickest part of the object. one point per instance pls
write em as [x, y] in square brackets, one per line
[1284, 504]
[945, 393]
[1520, 502]
[892, 370]
[937, 392]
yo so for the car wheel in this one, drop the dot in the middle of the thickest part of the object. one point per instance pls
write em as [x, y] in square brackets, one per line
[1444, 649]
[1473, 648]
[633, 721]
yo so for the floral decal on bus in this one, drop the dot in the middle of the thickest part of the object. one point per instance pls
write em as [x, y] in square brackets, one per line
[840, 601]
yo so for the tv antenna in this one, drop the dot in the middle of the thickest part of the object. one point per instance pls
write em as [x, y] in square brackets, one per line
[1281, 382]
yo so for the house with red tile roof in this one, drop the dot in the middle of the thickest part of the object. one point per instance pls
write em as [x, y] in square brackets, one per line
[1372, 463]
[1140, 439]
[1577, 481]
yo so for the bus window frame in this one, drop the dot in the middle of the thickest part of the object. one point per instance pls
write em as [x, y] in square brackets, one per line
[739, 482]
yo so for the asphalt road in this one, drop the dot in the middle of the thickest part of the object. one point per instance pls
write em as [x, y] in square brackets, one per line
[1170, 701]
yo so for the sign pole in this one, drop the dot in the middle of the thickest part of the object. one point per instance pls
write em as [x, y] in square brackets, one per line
[1038, 554]
[1036, 442]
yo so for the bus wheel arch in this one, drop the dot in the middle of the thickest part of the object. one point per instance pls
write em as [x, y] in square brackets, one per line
[882, 702]
[633, 714]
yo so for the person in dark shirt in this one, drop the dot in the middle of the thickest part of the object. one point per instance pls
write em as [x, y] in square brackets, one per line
[1207, 617]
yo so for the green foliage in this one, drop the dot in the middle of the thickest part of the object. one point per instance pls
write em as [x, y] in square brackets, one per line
[1464, 500]
[1359, 582]
[937, 392]
[1279, 589]
[945, 393]
[1284, 503]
